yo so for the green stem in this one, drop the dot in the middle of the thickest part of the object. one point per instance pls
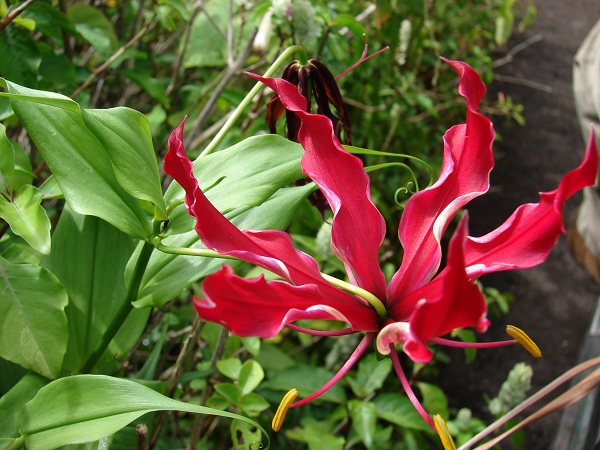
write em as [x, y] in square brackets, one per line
[250, 96]
[17, 443]
[348, 287]
[203, 252]
[126, 307]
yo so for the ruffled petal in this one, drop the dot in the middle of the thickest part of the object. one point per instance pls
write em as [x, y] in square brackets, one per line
[448, 302]
[467, 162]
[358, 228]
[270, 249]
[262, 308]
[529, 234]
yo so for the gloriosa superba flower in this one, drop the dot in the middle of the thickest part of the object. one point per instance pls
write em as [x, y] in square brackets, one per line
[421, 303]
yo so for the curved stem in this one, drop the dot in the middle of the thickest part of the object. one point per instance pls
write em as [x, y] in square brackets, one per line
[125, 309]
[407, 388]
[184, 251]
[362, 346]
[248, 99]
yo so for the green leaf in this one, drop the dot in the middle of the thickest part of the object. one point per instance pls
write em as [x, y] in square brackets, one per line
[14, 400]
[399, 410]
[85, 408]
[24, 213]
[229, 391]
[434, 399]
[89, 258]
[19, 56]
[251, 375]
[253, 404]
[7, 162]
[126, 136]
[318, 435]
[243, 435]
[370, 376]
[90, 170]
[230, 367]
[252, 344]
[95, 28]
[364, 418]
[33, 330]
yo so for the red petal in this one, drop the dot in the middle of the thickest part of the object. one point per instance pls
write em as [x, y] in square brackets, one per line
[262, 308]
[465, 171]
[529, 234]
[358, 228]
[450, 301]
[270, 249]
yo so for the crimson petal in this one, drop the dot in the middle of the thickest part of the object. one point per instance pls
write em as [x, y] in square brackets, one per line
[358, 228]
[270, 249]
[529, 234]
[262, 308]
[465, 171]
[448, 302]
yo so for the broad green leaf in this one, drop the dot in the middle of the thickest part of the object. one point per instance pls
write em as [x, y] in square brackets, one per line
[7, 162]
[434, 399]
[33, 331]
[95, 28]
[27, 218]
[253, 404]
[126, 136]
[229, 391]
[90, 164]
[364, 418]
[210, 46]
[399, 410]
[370, 376]
[251, 375]
[14, 400]
[85, 408]
[243, 435]
[230, 367]
[89, 258]
[19, 56]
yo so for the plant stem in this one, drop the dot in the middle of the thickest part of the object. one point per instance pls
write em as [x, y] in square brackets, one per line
[17, 443]
[126, 307]
[12, 15]
[248, 98]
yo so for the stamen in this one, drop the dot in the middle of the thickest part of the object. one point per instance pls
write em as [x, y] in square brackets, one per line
[282, 410]
[521, 337]
[443, 432]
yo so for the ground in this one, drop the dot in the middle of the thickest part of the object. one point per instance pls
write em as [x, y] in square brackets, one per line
[554, 301]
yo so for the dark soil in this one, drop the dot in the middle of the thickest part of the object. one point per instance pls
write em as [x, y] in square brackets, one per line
[554, 301]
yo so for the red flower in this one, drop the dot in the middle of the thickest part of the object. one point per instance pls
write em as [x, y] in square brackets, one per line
[421, 303]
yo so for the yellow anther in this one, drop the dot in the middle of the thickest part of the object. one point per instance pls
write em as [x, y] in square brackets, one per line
[443, 432]
[282, 410]
[521, 337]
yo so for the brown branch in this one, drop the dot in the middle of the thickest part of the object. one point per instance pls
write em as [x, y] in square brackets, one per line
[12, 15]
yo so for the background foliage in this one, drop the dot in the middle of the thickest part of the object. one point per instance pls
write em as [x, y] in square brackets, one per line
[164, 59]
